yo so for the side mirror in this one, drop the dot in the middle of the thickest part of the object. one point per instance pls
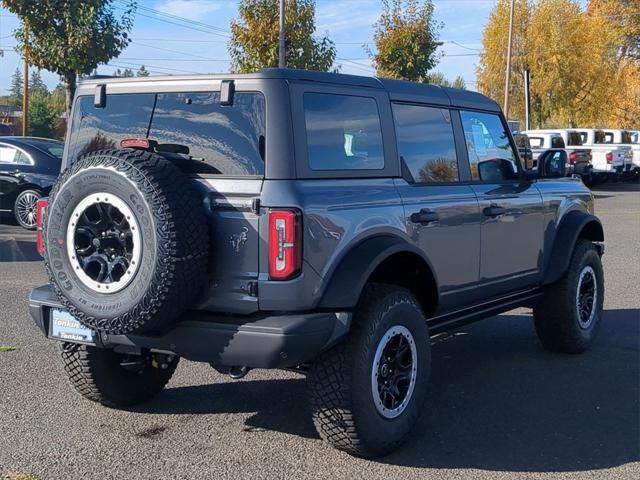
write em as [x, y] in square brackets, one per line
[553, 163]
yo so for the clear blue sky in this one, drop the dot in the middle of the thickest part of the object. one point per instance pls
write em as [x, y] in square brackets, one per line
[169, 48]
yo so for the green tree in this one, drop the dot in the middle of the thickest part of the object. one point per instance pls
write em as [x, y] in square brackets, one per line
[254, 37]
[15, 90]
[406, 39]
[458, 82]
[438, 78]
[36, 85]
[70, 37]
[42, 116]
[57, 99]
[142, 72]
[127, 73]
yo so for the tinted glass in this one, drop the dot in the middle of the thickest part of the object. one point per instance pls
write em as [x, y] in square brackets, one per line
[7, 154]
[557, 142]
[23, 159]
[52, 148]
[635, 137]
[343, 132]
[221, 140]
[225, 140]
[600, 137]
[425, 143]
[491, 156]
[522, 140]
[575, 138]
[626, 137]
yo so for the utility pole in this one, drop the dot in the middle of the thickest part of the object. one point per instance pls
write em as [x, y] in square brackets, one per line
[507, 78]
[281, 61]
[527, 101]
[25, 94]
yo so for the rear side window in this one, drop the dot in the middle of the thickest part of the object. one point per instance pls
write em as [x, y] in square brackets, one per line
[600, 137]
[536, 142]
[225, 140]
[343, 132]
[8, 154]
[425, 143]
[557, 142]
[576, 139]
[626, 137]
[491, 156]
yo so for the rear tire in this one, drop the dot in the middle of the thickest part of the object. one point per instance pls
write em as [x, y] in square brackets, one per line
[367, 393]
[568, 317]
[97, 375]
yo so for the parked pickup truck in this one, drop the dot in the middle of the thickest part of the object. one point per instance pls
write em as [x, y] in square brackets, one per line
[609, 161]
[326, 223]
[579, 158]
[626, 138]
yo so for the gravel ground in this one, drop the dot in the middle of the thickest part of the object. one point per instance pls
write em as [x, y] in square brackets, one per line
[500, 407]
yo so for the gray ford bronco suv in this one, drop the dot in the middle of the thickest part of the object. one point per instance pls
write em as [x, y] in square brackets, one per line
[313, 221]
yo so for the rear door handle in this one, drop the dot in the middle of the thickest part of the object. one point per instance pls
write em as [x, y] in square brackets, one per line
[494, 211]
[424, 216]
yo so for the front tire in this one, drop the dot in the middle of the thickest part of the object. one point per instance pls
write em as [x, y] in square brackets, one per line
[113, 379]
[367, 392]
[24, 209]
[568, 317]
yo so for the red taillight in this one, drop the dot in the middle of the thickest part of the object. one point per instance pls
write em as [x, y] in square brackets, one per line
[573, 156]
[40, 208]
[285, 244]
[609, 157]
[135, 143]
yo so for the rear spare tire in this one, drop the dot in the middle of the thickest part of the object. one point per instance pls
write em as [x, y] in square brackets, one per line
[126, 241]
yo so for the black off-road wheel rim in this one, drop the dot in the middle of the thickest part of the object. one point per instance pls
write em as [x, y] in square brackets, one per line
[394, 372]
[104, 242]
[586, 297]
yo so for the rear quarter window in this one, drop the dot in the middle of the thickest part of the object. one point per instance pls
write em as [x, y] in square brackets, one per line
[224, 140]
[343, 132]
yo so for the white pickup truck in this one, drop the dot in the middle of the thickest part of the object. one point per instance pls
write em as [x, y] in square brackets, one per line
[626, 138]
[579, 158]
[609, 161]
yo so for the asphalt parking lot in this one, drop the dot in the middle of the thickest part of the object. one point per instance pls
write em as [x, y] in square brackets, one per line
[500, 406]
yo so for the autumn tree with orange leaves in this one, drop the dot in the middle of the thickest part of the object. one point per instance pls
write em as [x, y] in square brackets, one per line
[584, 63]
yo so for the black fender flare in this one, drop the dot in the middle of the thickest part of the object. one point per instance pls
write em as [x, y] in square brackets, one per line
[575, 224]
[345, 284]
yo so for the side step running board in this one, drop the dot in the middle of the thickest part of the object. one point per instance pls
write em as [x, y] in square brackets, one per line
[451, 320]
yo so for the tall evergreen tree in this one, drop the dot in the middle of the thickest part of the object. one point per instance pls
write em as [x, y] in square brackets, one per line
[15, 90]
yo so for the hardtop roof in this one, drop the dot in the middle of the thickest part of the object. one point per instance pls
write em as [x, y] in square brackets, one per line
[398, 90]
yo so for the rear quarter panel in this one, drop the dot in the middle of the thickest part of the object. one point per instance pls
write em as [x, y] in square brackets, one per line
[337, 215]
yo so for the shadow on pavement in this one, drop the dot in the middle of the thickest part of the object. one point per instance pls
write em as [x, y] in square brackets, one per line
[17, 244]
[498, 401]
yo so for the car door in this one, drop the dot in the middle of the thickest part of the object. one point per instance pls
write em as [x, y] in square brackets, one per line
[512, 209]
[441, 212]
[10, 175]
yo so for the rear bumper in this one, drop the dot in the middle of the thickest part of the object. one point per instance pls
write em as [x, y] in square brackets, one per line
[257, 341]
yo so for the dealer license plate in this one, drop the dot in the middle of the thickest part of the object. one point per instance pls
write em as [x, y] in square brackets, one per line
[66, 327]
